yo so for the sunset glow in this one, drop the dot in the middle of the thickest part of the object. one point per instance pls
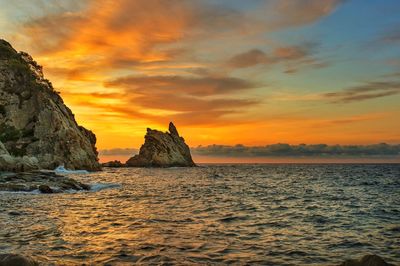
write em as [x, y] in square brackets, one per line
[225, 72]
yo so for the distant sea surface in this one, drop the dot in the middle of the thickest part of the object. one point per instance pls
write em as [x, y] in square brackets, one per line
[276, 214]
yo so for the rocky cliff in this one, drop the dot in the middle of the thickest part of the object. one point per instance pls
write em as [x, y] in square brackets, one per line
[35, 124]
[162, 150]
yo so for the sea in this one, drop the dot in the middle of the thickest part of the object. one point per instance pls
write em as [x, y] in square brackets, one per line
[236, 214]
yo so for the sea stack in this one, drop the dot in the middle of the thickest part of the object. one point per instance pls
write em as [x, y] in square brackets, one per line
[163, 150]
[37, 130]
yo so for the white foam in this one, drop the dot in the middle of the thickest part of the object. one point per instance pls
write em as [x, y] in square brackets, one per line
[100, 186]
[61, 169]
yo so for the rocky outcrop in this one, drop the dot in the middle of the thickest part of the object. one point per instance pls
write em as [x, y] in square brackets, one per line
[367, 260]
[34, 121]
[162, 150]
[114, 164]
[16, 164]
[43, 181]
[16, 260]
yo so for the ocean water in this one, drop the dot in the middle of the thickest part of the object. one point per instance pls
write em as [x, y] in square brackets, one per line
[278, 214]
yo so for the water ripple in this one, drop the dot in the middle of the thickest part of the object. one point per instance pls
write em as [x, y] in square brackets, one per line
[215, 214]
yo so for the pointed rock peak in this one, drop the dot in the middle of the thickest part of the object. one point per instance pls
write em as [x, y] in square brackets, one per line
[5, 43]
[162, 149]
[6, 50]
[172, 129]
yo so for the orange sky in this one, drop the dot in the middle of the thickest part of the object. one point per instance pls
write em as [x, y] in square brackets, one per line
[252, 73]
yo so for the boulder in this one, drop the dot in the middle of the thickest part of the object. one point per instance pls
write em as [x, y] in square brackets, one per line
[45, 189]
[16, 260]
[16, 164]
[3, 149]
[44, 181]
[115, 164]
[367, 260]
[35, 124]
[163, 149]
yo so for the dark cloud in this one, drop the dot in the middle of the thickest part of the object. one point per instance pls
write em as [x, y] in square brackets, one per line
[319, 150]
[292, 57]
[194, 100]
[276, 150]
[366, 91]
[391, 36]
[118, 151]
[175, 102]
[248, 59]
[295, 13]
[185, 110]
[196, 86]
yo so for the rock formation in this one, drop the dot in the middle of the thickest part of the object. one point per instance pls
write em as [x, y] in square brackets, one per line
[35, 124]
[162, 150]
[16, 260]
[367, 260]
[16, 164]
[113, 164]
[43, 181]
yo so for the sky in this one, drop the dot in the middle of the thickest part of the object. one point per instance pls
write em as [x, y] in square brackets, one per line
[226, 72]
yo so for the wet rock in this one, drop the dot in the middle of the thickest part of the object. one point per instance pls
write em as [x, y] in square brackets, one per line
[367, 260]
[15, 187]
[18, 164]
[45, 189]
[162, 150]
[115, 164]
[37, 130]
[44, 181]
[84, 186]
[14, 213]
[16, 260]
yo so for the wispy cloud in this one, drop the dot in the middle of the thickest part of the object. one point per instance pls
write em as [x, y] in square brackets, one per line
[294, 13]
[390, 36]
[192, 100]
[195, 86]
[282, 150]
[370, 90]
[118, 151]
[293, 57]
[298, 150]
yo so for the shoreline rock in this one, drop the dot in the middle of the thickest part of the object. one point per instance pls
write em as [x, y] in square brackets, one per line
[163, 149]
[20, 260]
[37, 130]
[17, 260]
[367, 260]
[44, 181]
[113, 164]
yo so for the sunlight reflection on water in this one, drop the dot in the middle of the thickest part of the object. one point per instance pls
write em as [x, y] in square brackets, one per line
[255, 214]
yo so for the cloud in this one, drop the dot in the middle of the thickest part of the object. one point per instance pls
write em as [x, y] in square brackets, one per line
[391, 36]
[203, 86]
[155, 61]
[118, 151]
[293, 57]
[370, 90]
[192, 104]
[193, 100]
[294, 13]
[298, 150]
[164, 106]
[122, 30]
[247, 59]
[282, 150]
[109, 32]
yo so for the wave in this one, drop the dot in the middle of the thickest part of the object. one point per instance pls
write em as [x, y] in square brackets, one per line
[61, 170]
[100, 186]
